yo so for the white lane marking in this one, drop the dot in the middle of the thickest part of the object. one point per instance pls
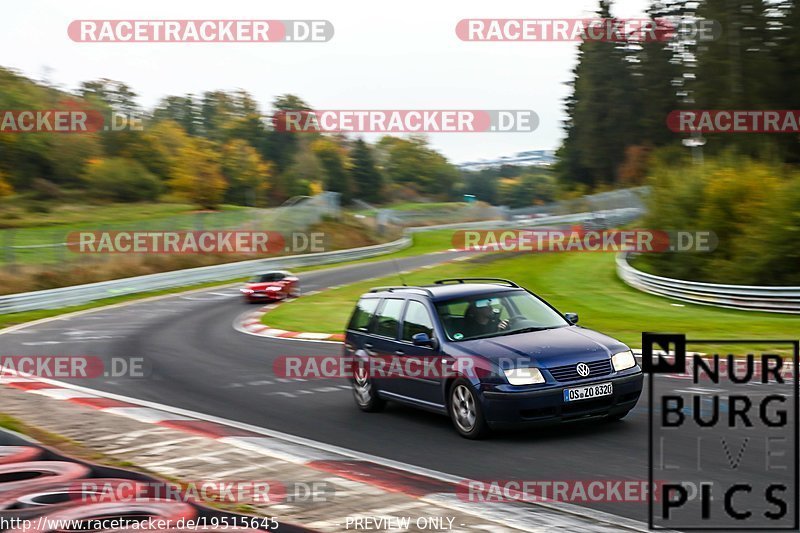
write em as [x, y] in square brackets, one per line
[287, 394]
[310, 447]
[62, 394]
[313, 336]
[271, 447]
[144, 414]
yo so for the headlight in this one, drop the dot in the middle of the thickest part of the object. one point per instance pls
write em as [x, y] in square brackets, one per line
[247, 291]
[623, 361]
[524, 376]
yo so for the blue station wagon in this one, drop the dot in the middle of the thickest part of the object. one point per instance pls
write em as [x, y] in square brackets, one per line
[487, 353]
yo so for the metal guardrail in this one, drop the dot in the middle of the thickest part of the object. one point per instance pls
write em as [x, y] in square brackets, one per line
[81, 294]
[744, 297]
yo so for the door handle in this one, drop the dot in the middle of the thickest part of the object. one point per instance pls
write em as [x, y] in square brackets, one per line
[368, 346]
[399, 352]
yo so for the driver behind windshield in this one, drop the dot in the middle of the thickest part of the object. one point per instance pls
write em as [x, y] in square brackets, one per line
[482, 318]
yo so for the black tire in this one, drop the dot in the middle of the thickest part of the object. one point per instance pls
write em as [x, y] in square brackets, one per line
[364, 392]
[466, 411]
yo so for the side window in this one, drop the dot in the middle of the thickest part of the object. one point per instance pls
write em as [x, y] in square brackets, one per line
[389, 318]
[417, 320]
[365, 309]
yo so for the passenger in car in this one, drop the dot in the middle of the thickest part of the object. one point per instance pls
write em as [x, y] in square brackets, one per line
[481, 319]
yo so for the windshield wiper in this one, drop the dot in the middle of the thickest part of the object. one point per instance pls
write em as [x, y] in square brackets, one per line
[502, 333]
[528, 330]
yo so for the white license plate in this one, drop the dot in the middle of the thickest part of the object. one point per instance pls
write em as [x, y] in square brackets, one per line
[588, 392]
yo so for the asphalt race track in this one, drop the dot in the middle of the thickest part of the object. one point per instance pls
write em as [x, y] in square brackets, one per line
[199, 362]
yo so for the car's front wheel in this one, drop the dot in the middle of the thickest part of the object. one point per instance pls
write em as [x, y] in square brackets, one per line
[364, 391]
[466, 412]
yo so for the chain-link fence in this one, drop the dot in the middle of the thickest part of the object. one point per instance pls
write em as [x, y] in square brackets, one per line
[633, 198]
[20, 247]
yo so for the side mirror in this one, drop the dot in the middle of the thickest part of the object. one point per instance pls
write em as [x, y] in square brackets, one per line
[572, 317]
[422, 339]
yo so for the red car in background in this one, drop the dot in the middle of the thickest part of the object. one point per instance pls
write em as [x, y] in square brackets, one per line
[271, 286]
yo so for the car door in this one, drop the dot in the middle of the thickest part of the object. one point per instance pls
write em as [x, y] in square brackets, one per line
[383, 340]
[423, 363]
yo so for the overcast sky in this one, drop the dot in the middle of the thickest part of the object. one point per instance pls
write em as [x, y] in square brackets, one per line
[384, 55]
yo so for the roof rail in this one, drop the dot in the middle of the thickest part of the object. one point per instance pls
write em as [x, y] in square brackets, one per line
[464, 280]
[393, 288]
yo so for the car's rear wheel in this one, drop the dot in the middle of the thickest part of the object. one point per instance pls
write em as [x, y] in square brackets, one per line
[465, 411]
[364, 391]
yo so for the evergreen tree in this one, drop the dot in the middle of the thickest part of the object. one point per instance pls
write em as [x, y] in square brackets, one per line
[366, 177]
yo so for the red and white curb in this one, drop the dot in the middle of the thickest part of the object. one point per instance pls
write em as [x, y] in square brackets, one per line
[251, 323]
[426, 485]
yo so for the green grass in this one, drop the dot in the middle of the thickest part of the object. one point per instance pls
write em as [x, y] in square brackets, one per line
[423, 243]
[583, 283]
[27, 229]
[418, 206]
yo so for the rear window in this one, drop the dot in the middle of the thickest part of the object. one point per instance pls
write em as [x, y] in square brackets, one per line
[365, 309]
[388, 320]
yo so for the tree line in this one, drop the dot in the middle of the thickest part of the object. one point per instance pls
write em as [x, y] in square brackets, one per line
[218, 147]
[744, 187]
[622, 92]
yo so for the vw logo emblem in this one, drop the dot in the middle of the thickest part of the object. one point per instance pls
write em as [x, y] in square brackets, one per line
[583, 370]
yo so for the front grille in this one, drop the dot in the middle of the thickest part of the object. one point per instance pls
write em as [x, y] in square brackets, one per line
[569, 373]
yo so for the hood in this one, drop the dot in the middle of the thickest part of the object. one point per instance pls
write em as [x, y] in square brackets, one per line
[548, 348]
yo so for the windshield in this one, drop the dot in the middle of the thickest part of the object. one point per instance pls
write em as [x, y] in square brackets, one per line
[264, 278]
[504, 313]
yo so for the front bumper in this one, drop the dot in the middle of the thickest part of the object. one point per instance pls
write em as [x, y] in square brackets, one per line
[261, 296]
[547, 406]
